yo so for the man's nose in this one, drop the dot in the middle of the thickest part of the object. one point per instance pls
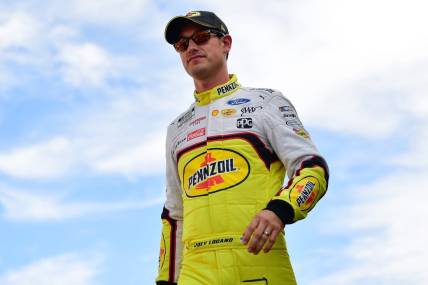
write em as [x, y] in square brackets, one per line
[192, 44]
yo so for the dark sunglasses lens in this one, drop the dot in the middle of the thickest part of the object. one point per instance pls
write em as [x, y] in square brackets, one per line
[201, 37]
[181, 45]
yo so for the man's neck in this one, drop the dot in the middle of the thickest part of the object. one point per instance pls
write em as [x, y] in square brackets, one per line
[206, 84]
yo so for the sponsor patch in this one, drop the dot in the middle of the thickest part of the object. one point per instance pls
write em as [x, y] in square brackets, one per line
[186, 117]
[302, 133]
[196, 134]
[244, 123]
[285, 109]
[238, 101]
[193, 14]
[211, 242]
[305, 193]
[294, 124]
[263, 89]
[214, 113]
[250, 109]
[289, 116]
[217, 170]
[197, 121]
[178, 143]
[162, 252]
[227, 88]
[228, 112]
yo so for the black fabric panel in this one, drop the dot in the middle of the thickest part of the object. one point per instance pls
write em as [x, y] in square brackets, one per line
[265, 154]
[173, 223]
[317, 161]
[282, 209]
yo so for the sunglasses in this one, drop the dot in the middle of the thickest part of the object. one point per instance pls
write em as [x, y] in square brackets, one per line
[198, 37]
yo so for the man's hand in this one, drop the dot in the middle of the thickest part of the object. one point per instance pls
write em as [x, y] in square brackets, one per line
[262, 231]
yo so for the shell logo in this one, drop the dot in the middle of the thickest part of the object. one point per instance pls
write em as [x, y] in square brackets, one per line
[215, 113]
[305, 193]
[213, 171]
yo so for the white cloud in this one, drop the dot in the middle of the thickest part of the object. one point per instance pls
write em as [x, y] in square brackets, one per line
[387, 233]
[43, 40]
[108, 11]
[144, 158]
[18, 30]
[66, 269]
[345, 64]
[125, 135]
[85, 64]
[31, 206]
[19, 38]
[384, 223]
[122, 139]
[49, 159]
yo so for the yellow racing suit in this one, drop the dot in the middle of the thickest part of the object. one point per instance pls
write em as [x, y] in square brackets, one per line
[226, 159]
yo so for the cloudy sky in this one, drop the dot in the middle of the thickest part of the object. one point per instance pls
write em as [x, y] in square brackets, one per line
[87, 89]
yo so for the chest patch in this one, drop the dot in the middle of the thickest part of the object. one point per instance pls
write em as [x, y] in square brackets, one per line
[216, 170]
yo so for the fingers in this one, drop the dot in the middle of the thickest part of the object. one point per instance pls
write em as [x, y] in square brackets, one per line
[271, 240]
[264, 238]
[262, 232]
[249, 230]
[258, 239]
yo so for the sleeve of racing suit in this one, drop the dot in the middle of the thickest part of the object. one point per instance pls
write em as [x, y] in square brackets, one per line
[306, 168]
[172, 226]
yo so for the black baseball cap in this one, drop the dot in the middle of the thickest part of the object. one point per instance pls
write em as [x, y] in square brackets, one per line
[203, 18]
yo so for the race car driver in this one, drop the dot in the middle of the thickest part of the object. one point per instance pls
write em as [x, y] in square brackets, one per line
[226, 158]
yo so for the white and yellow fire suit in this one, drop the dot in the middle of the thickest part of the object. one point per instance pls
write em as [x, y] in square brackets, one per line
[226, 158]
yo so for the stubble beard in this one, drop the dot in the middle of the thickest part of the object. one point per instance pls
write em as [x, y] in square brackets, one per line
[203, 70]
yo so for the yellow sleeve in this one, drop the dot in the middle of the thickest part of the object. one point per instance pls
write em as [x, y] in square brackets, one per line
[168, 250]
[294, 201]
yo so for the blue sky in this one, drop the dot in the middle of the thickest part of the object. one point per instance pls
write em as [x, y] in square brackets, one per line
[87, 89]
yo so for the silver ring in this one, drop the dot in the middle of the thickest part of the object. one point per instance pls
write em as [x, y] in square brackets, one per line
[266, 233]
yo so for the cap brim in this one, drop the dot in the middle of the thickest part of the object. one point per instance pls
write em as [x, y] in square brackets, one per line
[173, 28]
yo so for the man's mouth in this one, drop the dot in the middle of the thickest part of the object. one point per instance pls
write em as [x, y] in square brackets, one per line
[194, 57]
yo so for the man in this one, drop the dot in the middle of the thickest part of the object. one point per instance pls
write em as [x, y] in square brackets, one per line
[226, 157]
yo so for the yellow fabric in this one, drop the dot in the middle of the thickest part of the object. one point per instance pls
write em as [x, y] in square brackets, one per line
[217, 92]
[214, 224]
[305, 191]
[165, 251]
[222, 171]
[233, 266]
[238, 196]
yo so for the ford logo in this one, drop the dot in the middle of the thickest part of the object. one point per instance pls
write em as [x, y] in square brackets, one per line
[238, 101]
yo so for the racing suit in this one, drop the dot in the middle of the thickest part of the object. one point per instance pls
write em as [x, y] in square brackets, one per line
[226, 158]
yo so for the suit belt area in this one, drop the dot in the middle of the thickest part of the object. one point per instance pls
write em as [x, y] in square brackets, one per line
[225, 242]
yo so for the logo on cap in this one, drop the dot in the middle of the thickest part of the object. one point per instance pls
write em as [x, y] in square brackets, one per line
[193, 14]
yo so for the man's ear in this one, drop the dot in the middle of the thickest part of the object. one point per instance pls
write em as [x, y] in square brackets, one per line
[227, 43]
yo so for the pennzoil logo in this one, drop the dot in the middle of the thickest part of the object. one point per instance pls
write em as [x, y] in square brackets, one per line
[162, 252]
[228, 112]
[216, 170]
[227, 88]
[305, 193]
